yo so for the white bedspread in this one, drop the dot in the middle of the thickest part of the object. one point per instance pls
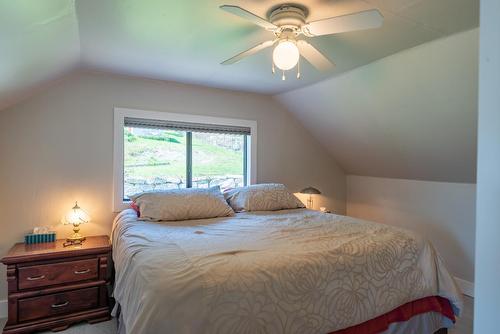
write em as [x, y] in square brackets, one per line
[290, 271]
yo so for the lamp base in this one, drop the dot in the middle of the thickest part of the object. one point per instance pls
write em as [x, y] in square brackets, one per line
[310, 203]
[74, 239]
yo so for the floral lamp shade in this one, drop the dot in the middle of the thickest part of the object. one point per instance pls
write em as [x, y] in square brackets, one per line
[76, 216]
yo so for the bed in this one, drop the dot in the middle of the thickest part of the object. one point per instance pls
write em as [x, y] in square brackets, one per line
[286, 271]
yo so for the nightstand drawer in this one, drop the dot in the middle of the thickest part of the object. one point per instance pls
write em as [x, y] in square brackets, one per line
[59, 303]
[57, 273]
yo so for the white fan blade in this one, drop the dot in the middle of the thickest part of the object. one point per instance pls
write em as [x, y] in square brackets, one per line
[351, 22]
[238, 11]
[312, 55]
[248, 52]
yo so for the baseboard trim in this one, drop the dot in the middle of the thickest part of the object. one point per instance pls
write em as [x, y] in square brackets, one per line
[466, 286]
[3, 308]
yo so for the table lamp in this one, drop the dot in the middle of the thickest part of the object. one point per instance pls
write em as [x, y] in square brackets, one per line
[75, 217]
[310, 191]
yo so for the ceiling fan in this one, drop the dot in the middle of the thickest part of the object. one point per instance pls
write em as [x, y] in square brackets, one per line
[287, 22]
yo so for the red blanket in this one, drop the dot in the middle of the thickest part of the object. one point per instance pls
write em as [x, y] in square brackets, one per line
[402, 313]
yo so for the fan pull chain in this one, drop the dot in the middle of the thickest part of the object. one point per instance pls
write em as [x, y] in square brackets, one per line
[298, 69]
[273, 69]
[283, 76]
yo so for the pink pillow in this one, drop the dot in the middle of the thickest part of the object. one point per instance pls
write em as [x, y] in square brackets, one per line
[135, 208]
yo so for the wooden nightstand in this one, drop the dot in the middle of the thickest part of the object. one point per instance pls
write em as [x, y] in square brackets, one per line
[52, 287]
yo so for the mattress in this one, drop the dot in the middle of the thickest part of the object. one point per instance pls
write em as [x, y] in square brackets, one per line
[288, 271]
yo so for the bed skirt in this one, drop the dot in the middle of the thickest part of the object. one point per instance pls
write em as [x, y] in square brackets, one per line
[426, 315]
[404, 313]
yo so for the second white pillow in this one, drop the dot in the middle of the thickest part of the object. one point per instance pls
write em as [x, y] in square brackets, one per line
[262, 197]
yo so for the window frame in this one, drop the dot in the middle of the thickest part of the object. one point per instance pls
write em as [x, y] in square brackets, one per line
[118, 143]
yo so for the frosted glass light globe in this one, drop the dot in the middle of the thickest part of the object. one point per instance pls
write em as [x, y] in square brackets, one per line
[286, 55]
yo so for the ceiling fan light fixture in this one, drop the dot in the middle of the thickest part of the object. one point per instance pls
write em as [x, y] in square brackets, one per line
[288, 21]
[286, 55]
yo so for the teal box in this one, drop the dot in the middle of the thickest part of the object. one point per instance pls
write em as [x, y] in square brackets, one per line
[39, 238]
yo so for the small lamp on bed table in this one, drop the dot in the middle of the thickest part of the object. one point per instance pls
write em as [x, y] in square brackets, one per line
[310, 191]
[75, 217]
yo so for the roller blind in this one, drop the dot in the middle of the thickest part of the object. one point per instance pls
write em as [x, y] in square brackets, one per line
[186, 126]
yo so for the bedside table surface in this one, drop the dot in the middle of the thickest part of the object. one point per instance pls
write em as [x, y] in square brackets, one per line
[22, 252]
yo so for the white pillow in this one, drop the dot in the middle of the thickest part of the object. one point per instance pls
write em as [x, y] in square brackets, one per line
[262, 197]
[182, 204]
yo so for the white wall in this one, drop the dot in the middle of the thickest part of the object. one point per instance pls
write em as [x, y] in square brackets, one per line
[56, 148]
[487, 301]
[442, 212]
[411, 115]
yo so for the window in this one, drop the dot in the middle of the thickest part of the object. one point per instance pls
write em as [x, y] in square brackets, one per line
[159, 155]
[158, 151]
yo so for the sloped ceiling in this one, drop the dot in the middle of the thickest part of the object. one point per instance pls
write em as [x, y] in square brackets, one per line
[185, 41]
[39, 41]
[411, 115]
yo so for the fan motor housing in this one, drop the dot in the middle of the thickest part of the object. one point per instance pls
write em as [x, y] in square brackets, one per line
[288, 16]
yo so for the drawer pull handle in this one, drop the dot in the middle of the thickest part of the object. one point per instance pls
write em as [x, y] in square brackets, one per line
[80, 272]
[60, 305]
[35, 278]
